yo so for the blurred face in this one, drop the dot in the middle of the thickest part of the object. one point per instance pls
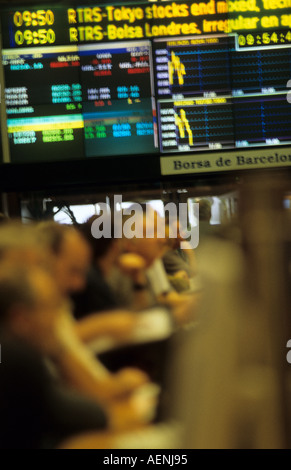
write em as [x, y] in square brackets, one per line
[43, 317]
[37, 323]
[28, 256]
[174, 235]
[21, 245]
[72, 264]
[150, 248]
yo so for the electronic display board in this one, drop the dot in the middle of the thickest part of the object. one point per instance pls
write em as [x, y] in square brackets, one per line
[118, 98]
[165, 78]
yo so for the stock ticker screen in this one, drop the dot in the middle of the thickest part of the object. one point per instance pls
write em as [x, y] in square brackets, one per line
[146, 78]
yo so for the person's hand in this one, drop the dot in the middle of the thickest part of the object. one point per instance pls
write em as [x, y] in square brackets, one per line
[118, 325]
[130, 379]
[135, 411]
[123, 384]
[132, 264]
[181, 275]
[64, 336]
[121, 325]
[183, 306]
[52, 337]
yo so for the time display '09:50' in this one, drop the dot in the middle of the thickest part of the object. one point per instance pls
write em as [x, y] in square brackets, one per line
[41, 36]
[33, 18]
[27, 23]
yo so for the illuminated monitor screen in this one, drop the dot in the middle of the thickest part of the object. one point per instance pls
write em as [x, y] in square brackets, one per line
[75, 102]
[146, 78]
[213, 95]
[118, 104]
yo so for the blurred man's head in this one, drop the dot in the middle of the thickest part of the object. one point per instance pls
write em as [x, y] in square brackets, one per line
[71, 254]
[105, 248]
[174, 233]
[149, 241]
[204, 210]
[19, 243]
[30, 303]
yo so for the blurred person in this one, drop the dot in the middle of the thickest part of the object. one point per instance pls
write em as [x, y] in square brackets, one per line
[75, 267]
[36, 409]
[121, 267]
[129, 311]
[180, 264]
[92, 325]
[151, 246]
[110, 266]
[97, 295]
[22, 244]
[19, 243]
[71, 256]
[205, 211]
[206, 229]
